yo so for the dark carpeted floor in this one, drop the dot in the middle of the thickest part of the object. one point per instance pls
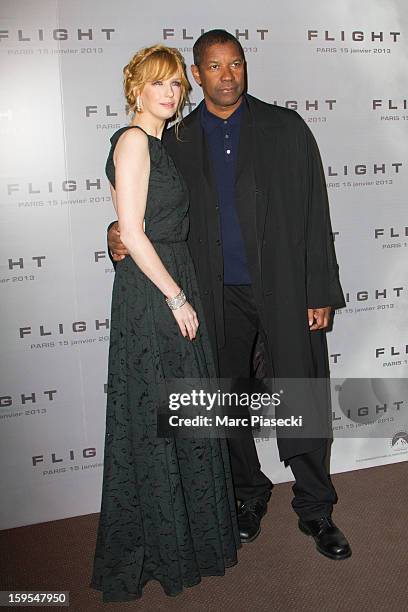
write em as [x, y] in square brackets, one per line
[280, 571]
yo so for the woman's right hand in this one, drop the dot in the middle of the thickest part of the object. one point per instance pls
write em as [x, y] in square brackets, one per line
[187, 320]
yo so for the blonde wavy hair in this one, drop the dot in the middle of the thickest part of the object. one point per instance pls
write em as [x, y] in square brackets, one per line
[155, 63]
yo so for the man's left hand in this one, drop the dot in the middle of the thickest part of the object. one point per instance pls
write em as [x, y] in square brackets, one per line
[318, 317]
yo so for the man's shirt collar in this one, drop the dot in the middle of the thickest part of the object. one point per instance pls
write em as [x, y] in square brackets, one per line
[210, 122]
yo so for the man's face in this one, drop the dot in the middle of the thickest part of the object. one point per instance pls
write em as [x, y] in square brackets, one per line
[221, 74]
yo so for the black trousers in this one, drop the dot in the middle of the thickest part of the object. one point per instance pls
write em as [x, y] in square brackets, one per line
[314, 493]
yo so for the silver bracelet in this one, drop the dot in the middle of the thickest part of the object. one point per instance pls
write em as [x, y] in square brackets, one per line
[177, 301]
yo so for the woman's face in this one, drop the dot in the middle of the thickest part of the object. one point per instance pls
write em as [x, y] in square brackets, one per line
[161, 98]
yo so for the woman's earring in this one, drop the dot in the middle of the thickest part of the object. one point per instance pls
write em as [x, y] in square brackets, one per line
[138, 105]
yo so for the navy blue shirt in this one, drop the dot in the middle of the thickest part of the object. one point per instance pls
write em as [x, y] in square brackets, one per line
[222, 140]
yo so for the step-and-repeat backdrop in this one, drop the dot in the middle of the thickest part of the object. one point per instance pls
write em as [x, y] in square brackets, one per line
[342, 66]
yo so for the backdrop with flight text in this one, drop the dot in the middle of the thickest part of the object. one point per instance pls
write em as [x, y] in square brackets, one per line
[342, 66]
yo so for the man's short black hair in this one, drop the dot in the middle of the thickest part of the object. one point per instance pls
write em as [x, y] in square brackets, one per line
[214, 37]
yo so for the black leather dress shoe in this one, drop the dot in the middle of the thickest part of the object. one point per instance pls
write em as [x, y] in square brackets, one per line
[330, 541]
[250, 514]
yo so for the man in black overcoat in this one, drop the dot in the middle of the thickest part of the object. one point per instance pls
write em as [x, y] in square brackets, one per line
[260, 238]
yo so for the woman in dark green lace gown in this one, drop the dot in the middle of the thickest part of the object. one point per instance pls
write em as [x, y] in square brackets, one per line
[168, 508]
